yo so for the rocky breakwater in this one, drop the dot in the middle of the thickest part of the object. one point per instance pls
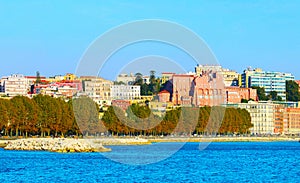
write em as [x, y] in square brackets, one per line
[56, 145]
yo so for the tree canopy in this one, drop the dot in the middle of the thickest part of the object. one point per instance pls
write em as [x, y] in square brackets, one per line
[292, 91]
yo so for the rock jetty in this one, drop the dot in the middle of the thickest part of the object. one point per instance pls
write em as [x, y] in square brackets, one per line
[56, 145]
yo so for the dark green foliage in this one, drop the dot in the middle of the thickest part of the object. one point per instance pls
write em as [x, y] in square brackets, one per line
[261, 93]
[292, 91]
[148, 89]
[38, 78]
[274, 96]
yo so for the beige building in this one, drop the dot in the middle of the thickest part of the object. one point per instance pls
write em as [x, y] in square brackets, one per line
[160, 108]
[262, 116]
[97, 88]
[126, 79]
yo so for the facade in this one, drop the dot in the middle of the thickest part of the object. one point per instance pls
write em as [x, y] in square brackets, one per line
[97, 88]
[230, 78]
[271, 81]
[70, 77]
[2, 85]
[160, 108]
[235, 95]
[209, 89]
[182, 89]
[262, 116]
[123, 104]
[164, 96]
[59, 89]
[278, 121]
[56, 78]
[126, 79]
[291, 121]
[166, 76]
[125, 92]
[15, 84]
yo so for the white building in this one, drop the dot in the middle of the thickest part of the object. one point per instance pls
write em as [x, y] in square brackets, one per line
[125, 92]
[262, 116]
[14, 85]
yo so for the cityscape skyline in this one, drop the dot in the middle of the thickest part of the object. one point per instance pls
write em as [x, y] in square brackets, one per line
[47, 37]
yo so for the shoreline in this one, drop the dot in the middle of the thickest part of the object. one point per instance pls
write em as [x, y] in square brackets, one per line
[123, 141]
[227, 139]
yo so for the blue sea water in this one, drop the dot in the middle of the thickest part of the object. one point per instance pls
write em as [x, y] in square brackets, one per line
[219, 162]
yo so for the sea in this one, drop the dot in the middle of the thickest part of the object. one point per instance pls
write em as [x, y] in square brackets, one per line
[160, 162]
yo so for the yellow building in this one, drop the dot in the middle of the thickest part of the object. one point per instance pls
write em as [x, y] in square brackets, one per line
[160, 108]
[166, 76]
[70, 77]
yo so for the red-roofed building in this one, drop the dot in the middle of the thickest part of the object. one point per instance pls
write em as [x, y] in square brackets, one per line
[164, 96]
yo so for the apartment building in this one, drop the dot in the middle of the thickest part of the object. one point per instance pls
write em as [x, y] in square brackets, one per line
[271, 81]
[16, 84]
[262, 116]
[97, 88]
[291, 121]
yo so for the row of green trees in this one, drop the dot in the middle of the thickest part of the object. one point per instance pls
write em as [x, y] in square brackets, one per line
[138, 120]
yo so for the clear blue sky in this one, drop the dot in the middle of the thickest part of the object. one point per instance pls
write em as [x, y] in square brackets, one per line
[51, 35]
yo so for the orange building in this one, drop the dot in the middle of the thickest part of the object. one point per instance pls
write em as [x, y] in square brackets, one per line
[164, 96]
[235, 94]
[278, 122]
[291, 121]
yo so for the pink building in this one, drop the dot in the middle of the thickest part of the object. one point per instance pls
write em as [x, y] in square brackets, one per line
[182, 89]
[209, 90]
[123, 104]
[63, 88]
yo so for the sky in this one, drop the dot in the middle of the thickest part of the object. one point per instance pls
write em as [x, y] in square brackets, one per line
[51, 36]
